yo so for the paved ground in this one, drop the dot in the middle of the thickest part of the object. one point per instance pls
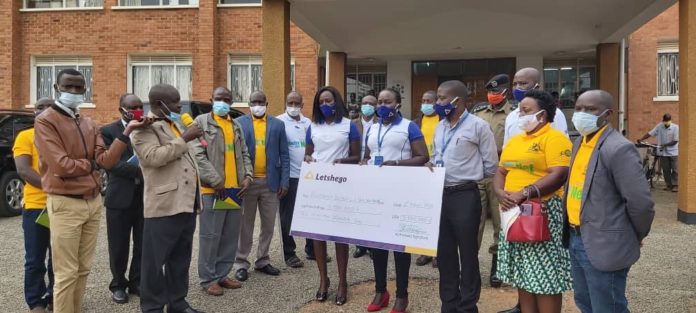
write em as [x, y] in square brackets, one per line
[664, 280]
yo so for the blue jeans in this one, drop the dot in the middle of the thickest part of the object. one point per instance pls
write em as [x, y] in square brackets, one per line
[596, 291]
[37, 243]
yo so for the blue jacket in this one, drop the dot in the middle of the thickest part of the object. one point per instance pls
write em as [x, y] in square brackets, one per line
[277, 154]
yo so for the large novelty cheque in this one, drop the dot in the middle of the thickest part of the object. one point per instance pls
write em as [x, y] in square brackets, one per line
[392, 208]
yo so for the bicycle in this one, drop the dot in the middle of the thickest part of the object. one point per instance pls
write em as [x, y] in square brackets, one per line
[649, 166]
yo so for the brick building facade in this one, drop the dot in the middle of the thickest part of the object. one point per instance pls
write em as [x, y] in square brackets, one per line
[645, 105]
[112, 38]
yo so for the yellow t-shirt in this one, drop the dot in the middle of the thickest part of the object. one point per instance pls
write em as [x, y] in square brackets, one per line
[260, 135]
[428, 125]
[528, 157]
[576, 181]
[230, 159]
[34, 198]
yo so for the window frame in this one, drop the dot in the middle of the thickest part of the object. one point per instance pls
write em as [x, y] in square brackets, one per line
[249, 60]
[239, 5]
[64, 7]
[671, 47]
[159, 60]
[161, 6]
[54, 61]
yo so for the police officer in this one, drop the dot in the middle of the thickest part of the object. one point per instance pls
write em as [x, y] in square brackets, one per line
[494, 112]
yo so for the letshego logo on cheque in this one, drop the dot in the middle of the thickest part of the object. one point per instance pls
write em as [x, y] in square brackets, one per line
[324, 177]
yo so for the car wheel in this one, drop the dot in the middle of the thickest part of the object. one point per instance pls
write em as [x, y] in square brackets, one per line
[12, 187]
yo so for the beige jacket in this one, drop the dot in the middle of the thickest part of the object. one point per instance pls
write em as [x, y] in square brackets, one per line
[169, 170]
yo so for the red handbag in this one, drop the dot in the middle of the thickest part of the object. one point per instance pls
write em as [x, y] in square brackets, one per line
[532, 225]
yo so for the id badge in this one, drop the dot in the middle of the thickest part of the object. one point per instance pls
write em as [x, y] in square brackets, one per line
[439, 164]
[379, 160]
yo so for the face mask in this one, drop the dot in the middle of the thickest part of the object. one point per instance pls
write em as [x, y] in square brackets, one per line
[132, 115]
[367, 109]
[258, 110]
[528, 123]
[221, 108]
[586, 123]
[293, 111]
[427, 109]
[386, 112]
[496, 98]
[518, 94]
[445, 110]
[71, 100]
[328, 110]
[667, 124]
[174, 117]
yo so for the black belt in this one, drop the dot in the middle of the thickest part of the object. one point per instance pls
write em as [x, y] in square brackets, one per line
[80, 197]
[471, 185]
[575, 229]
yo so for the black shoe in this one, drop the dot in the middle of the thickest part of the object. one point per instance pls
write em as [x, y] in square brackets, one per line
[119, 296]
[516, 309]
[134, 291]
[494, 280]
[242, 274]
[268, 270]
[359, 252]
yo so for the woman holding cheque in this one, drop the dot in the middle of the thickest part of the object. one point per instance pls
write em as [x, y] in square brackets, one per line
[393, 141]
[331, 138]
[534, 165]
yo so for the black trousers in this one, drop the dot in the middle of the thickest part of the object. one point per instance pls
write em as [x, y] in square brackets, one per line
[167, 244]
[457, 250]
[402, 262]
[120, 224]
[287, 207]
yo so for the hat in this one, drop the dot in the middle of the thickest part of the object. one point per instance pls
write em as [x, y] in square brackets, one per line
[498, 82]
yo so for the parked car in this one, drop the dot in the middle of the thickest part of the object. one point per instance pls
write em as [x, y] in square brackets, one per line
[11, 185]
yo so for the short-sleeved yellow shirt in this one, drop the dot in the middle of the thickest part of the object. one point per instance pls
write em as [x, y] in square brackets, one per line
[428, 125]
[34, 198]
[528, 157]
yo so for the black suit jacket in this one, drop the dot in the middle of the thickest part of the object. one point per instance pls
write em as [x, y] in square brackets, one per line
[125, 180]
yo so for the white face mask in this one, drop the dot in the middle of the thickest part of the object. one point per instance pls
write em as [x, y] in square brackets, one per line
[293, 111]
[71, 100]
[258, 110]
[528, 123]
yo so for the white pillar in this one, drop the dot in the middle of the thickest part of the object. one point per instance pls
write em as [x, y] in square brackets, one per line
[399, 77]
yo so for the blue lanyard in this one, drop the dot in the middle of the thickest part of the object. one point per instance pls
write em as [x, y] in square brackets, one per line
[445, 143]
[381, 140]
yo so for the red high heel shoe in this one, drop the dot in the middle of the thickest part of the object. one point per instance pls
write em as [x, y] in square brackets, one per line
[383, 303]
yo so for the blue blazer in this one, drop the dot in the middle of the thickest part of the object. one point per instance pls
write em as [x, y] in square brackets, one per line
[277, 154]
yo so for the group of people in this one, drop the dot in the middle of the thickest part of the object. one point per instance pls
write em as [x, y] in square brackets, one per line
[166, 170]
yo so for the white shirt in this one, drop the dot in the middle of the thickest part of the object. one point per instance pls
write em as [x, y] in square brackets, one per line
[665, 136]
[471, 153]
[511, 128]
[332, 141]
[365, 127]
[296, 132]
[396, 140]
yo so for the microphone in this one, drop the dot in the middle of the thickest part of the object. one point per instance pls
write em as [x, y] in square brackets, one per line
[188, 120]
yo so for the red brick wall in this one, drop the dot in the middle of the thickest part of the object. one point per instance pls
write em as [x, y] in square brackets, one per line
[207, 33]
[644, 113]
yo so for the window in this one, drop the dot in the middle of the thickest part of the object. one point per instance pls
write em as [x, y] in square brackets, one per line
[62, 4]
[668, 71]
[569, 79]
[45, 70]
[365, 84]
[147, 71]
[240, 2]
[246, 76]
[155, 3]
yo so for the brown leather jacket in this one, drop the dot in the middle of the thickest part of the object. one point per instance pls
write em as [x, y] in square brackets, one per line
[69, 149]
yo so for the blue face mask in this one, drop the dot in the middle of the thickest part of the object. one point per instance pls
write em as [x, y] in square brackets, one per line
[518, 94]
[367, 109]
[445, 110]
[386, 112]
[586, 123]
[328, 110]
[174, 117]
[221, 108]
[427, 109]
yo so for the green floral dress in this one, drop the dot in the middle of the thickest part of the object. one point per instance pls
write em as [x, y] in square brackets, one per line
[539, 268]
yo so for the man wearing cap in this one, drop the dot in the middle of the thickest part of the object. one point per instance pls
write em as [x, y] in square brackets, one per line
[667, 134]
[494, 112]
